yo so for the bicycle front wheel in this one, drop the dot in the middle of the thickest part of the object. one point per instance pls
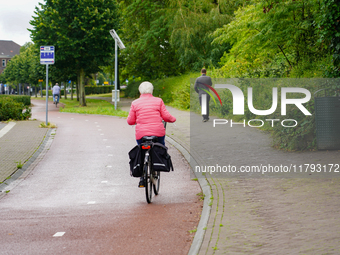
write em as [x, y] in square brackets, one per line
[148, 182]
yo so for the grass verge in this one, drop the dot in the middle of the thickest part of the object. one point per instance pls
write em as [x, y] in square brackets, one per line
[94, 106]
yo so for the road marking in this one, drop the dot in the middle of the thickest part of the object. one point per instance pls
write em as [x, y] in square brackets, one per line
[108, 146]
[108, 166]
[104, 181]
[58, 234]
[91, 202]
[99, 130]
[86, 120]
[104, 140]
[7, 128]
[110, 155]
[96, 123]
[101, 134]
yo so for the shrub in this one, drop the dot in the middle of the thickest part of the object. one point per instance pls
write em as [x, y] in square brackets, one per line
[131, 90]
[10, 109]
[26, 100]
[98, 89]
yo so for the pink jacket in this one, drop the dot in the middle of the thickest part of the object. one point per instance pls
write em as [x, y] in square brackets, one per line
[148, 112]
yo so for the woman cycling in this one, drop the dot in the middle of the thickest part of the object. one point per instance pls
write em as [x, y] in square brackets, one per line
[147, 112]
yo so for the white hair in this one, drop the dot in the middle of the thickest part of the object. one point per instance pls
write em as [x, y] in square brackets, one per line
[146, 87]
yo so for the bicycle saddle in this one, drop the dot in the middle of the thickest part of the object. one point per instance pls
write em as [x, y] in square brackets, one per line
[149, 139]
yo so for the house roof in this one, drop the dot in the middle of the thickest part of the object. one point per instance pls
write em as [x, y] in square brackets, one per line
[9, 48]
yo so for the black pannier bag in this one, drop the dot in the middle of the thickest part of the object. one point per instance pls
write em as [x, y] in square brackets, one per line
[136, 156]
[161, 160]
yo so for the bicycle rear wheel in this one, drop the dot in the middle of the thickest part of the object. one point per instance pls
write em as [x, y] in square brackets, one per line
[157, 182]
[148, 182]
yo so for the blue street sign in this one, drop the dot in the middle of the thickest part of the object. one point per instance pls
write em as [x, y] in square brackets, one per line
[47, 55]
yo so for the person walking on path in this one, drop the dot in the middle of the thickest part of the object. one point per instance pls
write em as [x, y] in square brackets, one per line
[202, 89]
[147, 112]
[56, 92]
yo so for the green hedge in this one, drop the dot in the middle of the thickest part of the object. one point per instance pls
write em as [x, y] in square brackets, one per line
[26, 100]
[62, 92]
[11, 109]
[98, 89]
[175, 91]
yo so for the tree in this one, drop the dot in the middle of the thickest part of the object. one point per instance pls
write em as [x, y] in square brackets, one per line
[192, 28]
[79, 30]
[146, 29]
[265, 33]
[25, 68]
[329, 31]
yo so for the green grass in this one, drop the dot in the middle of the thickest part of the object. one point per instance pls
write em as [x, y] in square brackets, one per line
[100, 95]
[94, 106]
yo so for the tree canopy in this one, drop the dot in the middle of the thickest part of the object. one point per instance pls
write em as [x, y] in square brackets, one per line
[79, 30]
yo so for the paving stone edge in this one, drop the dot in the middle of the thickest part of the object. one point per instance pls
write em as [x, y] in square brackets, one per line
[33, 160]
[198, 239]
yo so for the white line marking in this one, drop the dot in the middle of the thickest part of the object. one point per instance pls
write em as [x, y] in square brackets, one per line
[101, 134]
[86, 120]
[96, 123]
[104, 181]
[72, 118]
[110, 155]
[108, 146]
[91, 202]
[104, 140]
[99, 130]
[58, 234]
[108, 166]
[7, 128]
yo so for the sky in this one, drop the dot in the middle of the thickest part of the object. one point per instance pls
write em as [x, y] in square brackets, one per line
[15, 16]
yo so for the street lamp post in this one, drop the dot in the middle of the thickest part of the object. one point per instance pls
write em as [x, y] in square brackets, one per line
[118, 43]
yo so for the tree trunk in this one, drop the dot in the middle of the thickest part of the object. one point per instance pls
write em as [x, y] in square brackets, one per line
[82, 98]
[71, 90]
[65, 90]
[77, 85]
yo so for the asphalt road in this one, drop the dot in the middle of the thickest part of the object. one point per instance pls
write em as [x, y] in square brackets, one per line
[80, 198]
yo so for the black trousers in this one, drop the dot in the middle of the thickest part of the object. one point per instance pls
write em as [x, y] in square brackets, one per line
[208, 99]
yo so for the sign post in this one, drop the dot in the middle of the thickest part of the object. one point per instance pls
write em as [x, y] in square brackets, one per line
[121, 46]
[46, 58]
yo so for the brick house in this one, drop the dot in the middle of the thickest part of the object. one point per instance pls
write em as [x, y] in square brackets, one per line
[8, 49]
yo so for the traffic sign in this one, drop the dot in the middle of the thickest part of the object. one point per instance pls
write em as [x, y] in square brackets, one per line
[47, 55]
[40, 80]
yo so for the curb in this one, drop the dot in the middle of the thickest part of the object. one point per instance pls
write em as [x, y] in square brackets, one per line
[22, 173]
[198, 239]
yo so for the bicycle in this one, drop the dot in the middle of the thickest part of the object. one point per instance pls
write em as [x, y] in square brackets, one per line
[152, 178]
[56, 100]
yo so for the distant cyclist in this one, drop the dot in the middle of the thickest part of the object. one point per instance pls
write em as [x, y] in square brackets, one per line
[147, 112]
[56, 92]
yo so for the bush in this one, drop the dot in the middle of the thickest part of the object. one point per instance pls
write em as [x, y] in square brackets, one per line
[174, 91]
[10, 109]
[98, 89]
[131, 90]
[26, 100]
